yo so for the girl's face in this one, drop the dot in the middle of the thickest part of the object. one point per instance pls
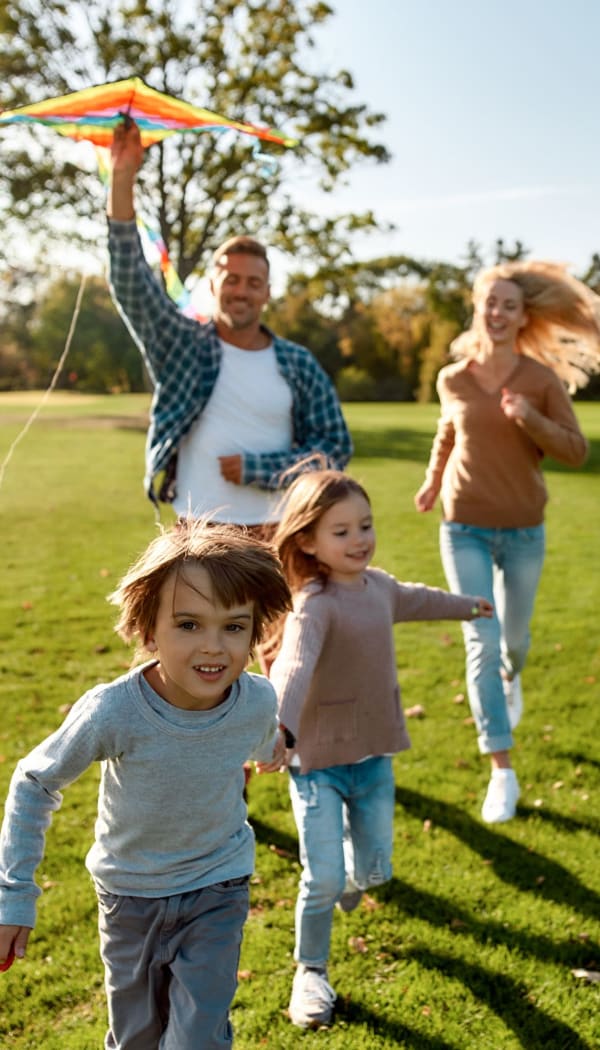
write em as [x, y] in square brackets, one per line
[344, 539]
[501, 312]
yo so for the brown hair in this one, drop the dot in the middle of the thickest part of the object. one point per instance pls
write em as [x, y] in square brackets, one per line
[240, 567]
[241, 245]
[304, 504]
[308, 498]
[562, 327]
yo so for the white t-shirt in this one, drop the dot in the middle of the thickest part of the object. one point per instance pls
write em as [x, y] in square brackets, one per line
[249, 410]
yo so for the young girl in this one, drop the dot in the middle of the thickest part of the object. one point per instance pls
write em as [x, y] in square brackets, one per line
[335, 676]
[173, 851]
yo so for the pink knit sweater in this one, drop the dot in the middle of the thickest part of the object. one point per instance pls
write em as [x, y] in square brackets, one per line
[335, 675]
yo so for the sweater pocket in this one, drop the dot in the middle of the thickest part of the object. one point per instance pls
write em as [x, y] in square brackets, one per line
[337, 721]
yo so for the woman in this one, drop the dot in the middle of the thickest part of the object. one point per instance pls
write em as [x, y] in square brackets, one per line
[503, 408]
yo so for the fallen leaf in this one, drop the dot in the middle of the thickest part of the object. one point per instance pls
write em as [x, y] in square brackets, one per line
[358, 944]
[558, 647]
[281, 852]
[64, 709]
[370, 903]
[104, 573]
[27, 606]
[538, 803]
[558, 784]
[426, 1011]
[470, 721]
[427, 825]
[459, 698]
[461, 763]
[418, 711]
[100, 648]
[590, 679]
[457, 924]
[540, 880]
[244, 975]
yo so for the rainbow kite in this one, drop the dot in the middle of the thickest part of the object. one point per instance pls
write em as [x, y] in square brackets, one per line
[93, 114]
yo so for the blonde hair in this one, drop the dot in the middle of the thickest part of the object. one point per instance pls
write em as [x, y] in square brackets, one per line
[562, 326]
[240, 568]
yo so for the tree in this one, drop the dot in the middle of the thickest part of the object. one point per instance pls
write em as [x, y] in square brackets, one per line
[103, 357]
[250, 61]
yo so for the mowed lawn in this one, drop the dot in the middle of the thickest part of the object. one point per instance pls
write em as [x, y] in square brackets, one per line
[484, 935]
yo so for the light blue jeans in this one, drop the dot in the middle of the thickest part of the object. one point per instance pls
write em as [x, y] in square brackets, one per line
[504, 566]
[344, 815]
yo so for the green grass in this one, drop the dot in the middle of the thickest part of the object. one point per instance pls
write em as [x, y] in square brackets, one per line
[472, 943]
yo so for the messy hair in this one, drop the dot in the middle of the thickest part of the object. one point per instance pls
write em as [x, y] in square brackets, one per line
[241, 245]
[562, 326]
[240, 568]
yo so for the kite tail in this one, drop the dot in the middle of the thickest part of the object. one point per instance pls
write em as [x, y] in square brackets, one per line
[155, 249]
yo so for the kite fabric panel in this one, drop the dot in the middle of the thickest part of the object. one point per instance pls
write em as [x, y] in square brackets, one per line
[93, 113]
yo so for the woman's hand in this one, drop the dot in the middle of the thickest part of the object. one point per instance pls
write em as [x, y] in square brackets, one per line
[426, 497]
[516, 407]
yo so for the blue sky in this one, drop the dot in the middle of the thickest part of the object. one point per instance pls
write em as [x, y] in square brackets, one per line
[493, 122]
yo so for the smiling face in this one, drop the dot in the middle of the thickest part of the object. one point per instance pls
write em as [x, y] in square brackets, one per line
[240, 286]
[501, 312]
[202, 647]
[343, 539]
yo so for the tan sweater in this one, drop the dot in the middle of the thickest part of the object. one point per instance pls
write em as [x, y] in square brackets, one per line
[335, 675]
[487, 467]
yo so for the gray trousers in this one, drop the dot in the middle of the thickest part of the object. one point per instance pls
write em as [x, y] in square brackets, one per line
[171, 967]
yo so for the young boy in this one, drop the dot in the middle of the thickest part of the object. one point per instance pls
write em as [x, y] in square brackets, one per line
[173, 852]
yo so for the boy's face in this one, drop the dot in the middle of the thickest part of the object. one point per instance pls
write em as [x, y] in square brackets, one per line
[202, 647]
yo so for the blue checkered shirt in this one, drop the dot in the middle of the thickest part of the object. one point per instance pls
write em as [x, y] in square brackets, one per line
[183, 358]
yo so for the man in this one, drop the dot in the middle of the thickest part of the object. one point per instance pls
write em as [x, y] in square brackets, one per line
[235, 407]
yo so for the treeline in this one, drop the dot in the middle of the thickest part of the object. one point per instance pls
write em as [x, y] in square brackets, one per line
[381, 329]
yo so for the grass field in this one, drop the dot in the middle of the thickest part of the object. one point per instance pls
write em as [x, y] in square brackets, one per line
[473, 943]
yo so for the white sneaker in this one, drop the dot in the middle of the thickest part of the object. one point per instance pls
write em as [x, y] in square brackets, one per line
[514, 699]
[313, 998]
[502, 795]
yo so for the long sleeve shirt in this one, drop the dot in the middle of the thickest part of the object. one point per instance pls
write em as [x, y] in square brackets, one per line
[488, 467]
[335, 674]
[171, 815]
[183, 358]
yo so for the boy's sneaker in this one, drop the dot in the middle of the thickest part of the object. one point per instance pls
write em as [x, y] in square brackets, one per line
[313, 998]
[351, 897]
[502, 795]
[513, 695]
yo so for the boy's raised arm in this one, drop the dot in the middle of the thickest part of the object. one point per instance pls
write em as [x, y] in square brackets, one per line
[127, 154]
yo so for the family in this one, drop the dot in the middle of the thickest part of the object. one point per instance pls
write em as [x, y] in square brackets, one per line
[270, 558]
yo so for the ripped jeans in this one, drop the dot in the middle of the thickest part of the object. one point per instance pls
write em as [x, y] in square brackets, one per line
[344, 815]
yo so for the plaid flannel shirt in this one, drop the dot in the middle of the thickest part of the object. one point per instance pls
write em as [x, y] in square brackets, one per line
[183, 358]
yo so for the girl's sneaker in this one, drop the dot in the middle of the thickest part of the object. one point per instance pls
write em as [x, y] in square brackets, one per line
[313, 998]
[502, 795]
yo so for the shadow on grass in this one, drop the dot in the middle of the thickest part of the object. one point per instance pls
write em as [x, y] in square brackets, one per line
[437, 911]
[526, 870]
[403, 443]
[397, 1033]
[391, 443]
[508, 999]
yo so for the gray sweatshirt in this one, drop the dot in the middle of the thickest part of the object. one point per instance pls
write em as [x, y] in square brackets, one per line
[171, 815]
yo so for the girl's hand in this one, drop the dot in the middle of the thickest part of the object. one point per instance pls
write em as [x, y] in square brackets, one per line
[13, 942]
[278, 759]
[426, 497]
[484, 608]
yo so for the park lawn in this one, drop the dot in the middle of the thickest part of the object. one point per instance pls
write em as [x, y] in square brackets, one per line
[473, 942]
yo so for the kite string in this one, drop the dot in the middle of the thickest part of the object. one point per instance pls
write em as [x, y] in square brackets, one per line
[52, 385]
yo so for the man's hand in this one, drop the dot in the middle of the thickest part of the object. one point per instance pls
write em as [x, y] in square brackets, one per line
[127, 154]
[231, 468]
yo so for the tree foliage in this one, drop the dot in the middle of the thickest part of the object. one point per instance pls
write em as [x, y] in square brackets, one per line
[253, 61]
